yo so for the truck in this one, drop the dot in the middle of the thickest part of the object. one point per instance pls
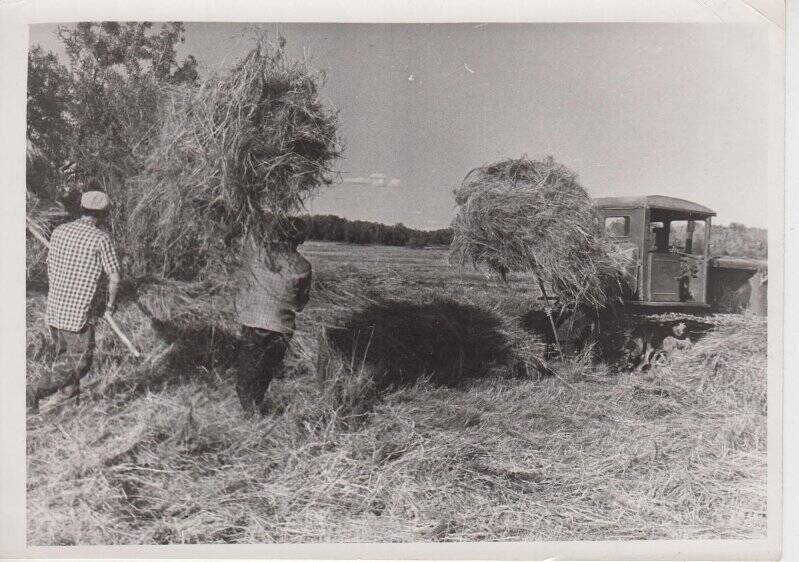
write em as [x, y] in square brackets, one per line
[672, 267]
[676, 287]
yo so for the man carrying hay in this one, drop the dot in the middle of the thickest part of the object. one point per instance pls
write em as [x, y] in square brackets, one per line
[79, 253]
[275, 285]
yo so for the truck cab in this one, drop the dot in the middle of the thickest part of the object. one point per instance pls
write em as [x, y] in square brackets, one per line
[668, 243]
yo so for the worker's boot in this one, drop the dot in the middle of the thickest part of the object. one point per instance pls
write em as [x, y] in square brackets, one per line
[31, 400]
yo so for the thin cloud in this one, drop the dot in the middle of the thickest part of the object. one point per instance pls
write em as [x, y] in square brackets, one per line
[356, 179]
[374, 180]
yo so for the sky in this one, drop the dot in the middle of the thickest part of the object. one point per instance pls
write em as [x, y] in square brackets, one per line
[634, 109]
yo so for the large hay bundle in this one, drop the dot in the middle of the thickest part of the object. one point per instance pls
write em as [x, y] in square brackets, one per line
[533, 216]
[402, 341]
[235, 156]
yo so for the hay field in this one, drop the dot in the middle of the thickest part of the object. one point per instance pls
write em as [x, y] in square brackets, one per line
[160, 452]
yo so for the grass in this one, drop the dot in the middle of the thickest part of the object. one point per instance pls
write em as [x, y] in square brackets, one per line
[160, 452]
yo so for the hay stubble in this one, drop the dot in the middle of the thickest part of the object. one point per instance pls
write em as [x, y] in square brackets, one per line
[676, 453]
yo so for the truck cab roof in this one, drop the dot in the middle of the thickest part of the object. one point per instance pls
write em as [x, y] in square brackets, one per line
[660, 202]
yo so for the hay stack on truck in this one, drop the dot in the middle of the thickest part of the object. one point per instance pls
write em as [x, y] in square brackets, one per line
[672, 276]
[623, 272]
[532, 217]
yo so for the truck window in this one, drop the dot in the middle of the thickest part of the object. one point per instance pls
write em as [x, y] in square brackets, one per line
[688, 237]
[617, 227]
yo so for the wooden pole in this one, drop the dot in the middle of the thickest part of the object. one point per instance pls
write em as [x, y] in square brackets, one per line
[36, 234]
[689, 237]
[121, 335]
[548, 310]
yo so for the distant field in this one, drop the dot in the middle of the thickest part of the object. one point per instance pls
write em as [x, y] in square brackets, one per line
[387, 264]
[159, 452]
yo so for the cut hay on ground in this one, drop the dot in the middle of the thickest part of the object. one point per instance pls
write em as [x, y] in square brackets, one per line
[235, 156]
[533, 216]
[401, 341]
[154, 456]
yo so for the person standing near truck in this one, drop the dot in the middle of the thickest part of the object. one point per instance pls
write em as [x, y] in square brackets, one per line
[274, 286]
[80, 252]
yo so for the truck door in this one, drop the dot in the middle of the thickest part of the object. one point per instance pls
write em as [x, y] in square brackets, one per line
[664, 277]
[677, 262]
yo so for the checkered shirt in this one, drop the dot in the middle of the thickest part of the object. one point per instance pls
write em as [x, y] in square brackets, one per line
[79, 253]
[270, 298]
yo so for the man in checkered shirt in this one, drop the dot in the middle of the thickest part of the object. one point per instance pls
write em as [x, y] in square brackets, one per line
[274, 286]
[79, 253]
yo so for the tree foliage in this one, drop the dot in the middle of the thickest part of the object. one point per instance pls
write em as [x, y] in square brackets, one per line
[116, 70]
[332, 228]
[739, 240]
[48, 131]
[93, 118]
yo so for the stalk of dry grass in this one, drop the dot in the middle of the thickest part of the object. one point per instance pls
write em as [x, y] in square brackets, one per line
[613, 459]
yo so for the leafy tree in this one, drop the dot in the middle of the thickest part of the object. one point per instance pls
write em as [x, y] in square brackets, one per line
[116, 70]
[739, 240]
[96, 116]
[48, 129]
[336, 229]
[416, 240]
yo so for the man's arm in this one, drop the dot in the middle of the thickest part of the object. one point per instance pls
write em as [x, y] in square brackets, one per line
[108, 258]
[113, 289]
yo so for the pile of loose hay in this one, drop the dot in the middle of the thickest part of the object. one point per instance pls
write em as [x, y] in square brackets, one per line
[533, 216]
[728, 366]
[400, 335]
[156, 453]
[402, 341]
[234, 157]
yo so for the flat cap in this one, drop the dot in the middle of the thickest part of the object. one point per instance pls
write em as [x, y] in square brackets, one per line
[94, 201]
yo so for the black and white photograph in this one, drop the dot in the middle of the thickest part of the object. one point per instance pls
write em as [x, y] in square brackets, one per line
[400, 282]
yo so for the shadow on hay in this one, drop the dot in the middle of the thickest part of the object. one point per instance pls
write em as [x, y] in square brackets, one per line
[401, 342]
[578, 329]
[196, 353]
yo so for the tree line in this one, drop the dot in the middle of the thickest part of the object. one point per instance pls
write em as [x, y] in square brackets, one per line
[332, 228]
[734, 240]
[739, 240]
